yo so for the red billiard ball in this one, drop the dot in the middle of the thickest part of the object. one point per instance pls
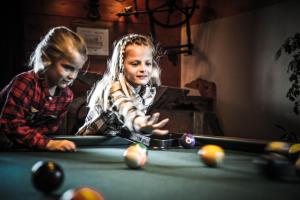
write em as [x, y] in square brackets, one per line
[187, 140]
[82, 193]
[47, 176]
[211, 155]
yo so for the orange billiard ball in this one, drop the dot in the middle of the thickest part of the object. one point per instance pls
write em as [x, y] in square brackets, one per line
[82, 193]
[211, 155]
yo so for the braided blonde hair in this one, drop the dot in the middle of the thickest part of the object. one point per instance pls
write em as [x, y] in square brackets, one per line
[115, 67]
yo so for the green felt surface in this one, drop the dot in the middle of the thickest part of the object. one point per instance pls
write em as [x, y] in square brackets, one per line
[170, 174]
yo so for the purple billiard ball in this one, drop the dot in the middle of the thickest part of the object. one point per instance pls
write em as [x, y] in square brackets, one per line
[187, 140]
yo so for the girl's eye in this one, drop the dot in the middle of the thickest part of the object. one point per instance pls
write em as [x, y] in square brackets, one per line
[68, 68]
[135, 64]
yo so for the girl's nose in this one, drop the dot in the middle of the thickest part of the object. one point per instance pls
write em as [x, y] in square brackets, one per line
[142, 67]
[73, 75]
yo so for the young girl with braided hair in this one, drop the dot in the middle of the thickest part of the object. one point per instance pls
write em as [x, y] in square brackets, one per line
[121, 98]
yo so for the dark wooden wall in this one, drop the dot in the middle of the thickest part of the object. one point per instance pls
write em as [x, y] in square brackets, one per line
[11, 42]
[40, 15]
[27, 20]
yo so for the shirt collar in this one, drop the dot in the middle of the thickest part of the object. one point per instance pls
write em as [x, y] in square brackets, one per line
[42, 79]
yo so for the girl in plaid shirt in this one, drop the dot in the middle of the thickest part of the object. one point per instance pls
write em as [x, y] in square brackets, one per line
[121, 98]
[34, 103]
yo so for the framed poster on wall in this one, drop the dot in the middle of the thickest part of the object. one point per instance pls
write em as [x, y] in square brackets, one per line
[97, 40]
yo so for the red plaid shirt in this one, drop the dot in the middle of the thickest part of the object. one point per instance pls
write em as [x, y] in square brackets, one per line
[28, 111]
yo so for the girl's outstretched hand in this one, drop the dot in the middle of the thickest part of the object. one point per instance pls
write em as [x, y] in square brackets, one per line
[152, 125]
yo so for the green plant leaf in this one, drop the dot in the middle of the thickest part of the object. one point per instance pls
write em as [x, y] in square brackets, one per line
[291, 46]
[296, 108]
[278, 54]
[293, 77]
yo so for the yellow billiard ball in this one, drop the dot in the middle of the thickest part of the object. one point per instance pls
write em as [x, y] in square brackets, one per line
[294, 152]
[277, 147]
[211, 155]
[297, 167]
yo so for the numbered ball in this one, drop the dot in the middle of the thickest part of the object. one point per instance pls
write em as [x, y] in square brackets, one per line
[82, 193]
[141, 147]
[47, 176]
[187, 140]
[297, 167]
[211, 155]
[294, 152]
[277, 147]
[273, 165]
[135, 157]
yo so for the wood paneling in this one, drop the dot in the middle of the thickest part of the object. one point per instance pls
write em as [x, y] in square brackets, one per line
[216, 9]
[41, 15]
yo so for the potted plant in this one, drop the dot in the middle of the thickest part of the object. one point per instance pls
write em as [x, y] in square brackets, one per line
[291, 46]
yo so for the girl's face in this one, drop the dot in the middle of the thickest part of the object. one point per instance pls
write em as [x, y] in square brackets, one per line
[138, 64]
[64, 71]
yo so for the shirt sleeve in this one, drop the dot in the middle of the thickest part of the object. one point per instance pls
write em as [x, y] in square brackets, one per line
[124, 107]
[93, 122]
[14, 116]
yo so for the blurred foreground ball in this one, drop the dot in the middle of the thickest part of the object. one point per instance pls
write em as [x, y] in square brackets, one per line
[294, 152]
[211, 155]
[273, 165]
[135, 157]
[46, 176]
[187, 140]
[82, 193]
[277, 147]
[297, 167]
[141, 147]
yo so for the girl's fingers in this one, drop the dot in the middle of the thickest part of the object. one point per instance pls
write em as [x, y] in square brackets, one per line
[153, 119]
[161, 124]
[160, 132]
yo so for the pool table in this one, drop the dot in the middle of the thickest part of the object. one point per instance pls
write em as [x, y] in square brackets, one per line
[170, 173]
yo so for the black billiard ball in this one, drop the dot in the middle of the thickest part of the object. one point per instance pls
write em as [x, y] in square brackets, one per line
[187, 140]
[46, 176]
[273, 165]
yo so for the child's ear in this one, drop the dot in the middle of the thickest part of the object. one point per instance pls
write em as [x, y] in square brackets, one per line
[46, 60]
[47, 63]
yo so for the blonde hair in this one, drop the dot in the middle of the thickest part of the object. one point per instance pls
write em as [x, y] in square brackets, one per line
[115, 66]
[60, 42]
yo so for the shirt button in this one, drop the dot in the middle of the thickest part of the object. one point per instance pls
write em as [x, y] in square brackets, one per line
[50, 98]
